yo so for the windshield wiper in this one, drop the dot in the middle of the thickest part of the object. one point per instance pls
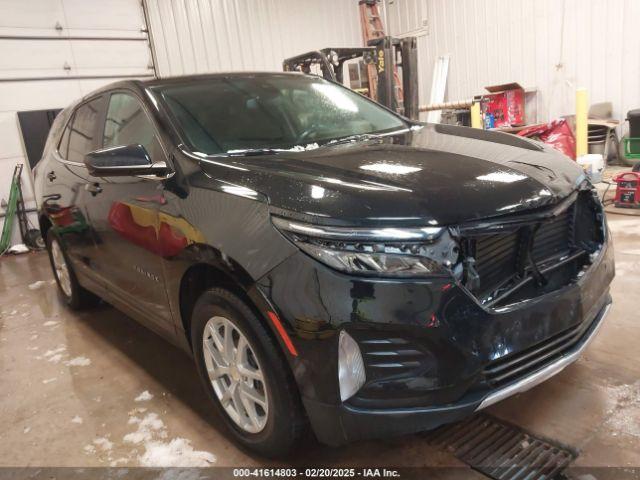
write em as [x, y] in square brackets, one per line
[353, 138]
[253, 152]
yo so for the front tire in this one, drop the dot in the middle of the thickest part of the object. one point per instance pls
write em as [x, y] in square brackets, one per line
[74, 295]
[245, 375]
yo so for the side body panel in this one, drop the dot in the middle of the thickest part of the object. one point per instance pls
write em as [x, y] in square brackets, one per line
[130, 239]
[63, 181]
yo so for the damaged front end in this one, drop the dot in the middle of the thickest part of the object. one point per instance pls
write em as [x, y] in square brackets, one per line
[510, 259]
[529, 292]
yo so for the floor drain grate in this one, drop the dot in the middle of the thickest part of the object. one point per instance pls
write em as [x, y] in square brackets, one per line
[502, 451]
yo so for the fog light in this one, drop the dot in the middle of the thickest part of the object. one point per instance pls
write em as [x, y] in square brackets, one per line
[351, 374]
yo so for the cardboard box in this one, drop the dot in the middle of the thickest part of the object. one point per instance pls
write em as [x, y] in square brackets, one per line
[503, 106]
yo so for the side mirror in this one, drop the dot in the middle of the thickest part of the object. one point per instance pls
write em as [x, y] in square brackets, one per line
[121, 161]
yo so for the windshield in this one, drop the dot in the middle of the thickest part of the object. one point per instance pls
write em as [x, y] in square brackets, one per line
[226, 114]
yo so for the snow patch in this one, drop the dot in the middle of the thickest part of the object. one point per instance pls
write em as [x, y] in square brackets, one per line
[50, 353]
[118, 461]
[624, 409]
[144, 396]
[89, 449]
[103, 443]
[137, 437]
[149, 425]
[77, 419]
[626, 420]
[301, 148]
[49, 380]
[137, 410]
[176, 453]
[78, 362]
[150, 433]
[37, 285]
[50, 323]
[26, 430]
[55, 358]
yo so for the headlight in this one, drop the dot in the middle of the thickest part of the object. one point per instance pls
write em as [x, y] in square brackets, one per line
[391, 252]
[351, 375]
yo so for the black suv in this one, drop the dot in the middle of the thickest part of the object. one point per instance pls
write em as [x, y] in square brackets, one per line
[324, 260]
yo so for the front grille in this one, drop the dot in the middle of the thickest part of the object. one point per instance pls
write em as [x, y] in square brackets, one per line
[504, 370]
[500, 259]
[496, 258]
[553, 238]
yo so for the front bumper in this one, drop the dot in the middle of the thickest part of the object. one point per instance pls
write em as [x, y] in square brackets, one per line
[431, 351]
[551, 369]
[344, 423]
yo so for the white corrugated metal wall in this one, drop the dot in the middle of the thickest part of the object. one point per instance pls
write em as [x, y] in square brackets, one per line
[552, 45]
[199, 36]
[55, 51]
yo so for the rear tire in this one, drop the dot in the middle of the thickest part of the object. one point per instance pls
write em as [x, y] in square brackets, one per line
[270, 425]
[74, 295]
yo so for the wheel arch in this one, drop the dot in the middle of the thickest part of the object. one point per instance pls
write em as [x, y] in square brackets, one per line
[198, 278]
[209, 268]
[205, 275]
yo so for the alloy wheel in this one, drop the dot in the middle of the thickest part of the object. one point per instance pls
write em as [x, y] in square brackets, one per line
[61, 268]
[235, 374]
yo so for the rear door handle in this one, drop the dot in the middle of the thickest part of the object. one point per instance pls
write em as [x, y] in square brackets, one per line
[93, 188]
[51, 176]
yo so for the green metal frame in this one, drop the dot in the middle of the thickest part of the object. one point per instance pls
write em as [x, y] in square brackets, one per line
[627, 147]
[12, 206]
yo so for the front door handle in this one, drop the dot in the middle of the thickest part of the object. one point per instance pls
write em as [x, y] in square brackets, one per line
[51, 176]
[93, 188]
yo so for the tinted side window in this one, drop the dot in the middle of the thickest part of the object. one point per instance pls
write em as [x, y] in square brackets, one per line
[128, 124]
[83, 126]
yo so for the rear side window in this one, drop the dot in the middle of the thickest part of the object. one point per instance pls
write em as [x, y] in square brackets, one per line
[63, 147]
[79, 140]
[128, 124]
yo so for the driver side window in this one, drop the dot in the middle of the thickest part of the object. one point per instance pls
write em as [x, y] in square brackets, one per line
[128, 124]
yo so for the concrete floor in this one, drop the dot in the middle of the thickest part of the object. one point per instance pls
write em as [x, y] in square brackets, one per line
[71, 385]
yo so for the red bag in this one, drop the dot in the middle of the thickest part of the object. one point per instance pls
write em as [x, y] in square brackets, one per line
[557, 133]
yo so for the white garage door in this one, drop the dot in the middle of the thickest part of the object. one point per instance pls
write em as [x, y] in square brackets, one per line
[55, 51]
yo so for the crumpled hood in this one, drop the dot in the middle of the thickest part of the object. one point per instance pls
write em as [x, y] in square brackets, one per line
[438, 175]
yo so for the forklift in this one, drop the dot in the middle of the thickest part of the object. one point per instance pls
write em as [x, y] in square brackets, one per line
[394, 83]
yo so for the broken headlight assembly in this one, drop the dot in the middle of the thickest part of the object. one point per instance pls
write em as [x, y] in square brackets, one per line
[380, 252]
